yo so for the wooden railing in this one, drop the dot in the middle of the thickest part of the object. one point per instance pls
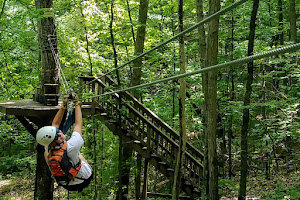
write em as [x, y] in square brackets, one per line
[145, 126]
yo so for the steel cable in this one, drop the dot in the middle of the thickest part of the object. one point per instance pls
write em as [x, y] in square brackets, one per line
[290, 48]
[61, 74]
[207, 19]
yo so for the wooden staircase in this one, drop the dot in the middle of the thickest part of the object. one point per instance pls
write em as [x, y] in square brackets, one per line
[143, 131]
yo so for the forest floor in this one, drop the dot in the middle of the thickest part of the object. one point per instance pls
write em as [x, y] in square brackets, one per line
[281, 186]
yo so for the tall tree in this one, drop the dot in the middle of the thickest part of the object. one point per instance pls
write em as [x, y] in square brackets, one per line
[50, 75]
[124, 151]
[139, 43]
[245, 123]
[231, 93]
[293, 18]
[130, 19]
[46, 29]
[202, 52]
[182, 120]
[211, 99]
[280, 19]
[87, 48]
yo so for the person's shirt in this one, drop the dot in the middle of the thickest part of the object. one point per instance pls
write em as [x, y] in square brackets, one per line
[73, 149]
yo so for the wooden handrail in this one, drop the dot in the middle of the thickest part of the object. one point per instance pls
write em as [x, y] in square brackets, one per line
[163, 136]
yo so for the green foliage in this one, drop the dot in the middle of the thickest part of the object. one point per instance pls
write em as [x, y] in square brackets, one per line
[17, 163]
[227, 187]
[274, 108]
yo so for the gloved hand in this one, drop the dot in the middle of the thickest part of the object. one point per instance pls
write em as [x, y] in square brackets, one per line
[75, 96]
[76, 99]
[65, 101]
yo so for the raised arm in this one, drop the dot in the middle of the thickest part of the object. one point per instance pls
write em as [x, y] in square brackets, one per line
[59, 115]
[78, 117]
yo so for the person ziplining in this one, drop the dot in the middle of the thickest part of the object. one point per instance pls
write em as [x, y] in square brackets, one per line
[69, 168]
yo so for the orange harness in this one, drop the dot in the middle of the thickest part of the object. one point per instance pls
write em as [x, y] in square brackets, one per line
[60, 165]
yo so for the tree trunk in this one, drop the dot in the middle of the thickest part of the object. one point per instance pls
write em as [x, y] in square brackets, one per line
[2, 10]
[125, 152]
[202, 52]
[280, 18]
[46, 28]
[174, 84]
[50, 75]
[182, 121]
[130, 19]
[112, 40]
[87, 48]
[139, 45]
[293, 18]
[124, 170]
[232, 97]
[245, 123]
[44, 182]
[211, 99]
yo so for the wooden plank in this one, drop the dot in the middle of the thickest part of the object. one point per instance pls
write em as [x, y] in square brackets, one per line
[161, 134]
[28, 107]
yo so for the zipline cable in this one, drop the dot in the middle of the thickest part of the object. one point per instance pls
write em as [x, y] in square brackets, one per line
[56, 59]
[207, 19]
[68, 120]
[290, 48]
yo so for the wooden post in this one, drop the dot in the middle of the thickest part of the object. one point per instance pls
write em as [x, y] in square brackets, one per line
[145, 185]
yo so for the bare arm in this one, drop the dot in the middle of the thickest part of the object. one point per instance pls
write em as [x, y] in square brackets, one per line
[78, 118]
[58, 117]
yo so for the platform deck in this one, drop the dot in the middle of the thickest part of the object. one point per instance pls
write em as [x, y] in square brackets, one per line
[30, 108]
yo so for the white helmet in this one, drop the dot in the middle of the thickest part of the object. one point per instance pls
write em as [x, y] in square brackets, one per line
[46, 135]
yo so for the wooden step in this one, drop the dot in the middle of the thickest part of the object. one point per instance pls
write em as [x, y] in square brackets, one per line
[50, 84]
[51, 95]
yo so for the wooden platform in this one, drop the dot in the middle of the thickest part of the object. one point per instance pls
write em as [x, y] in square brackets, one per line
[30, 108]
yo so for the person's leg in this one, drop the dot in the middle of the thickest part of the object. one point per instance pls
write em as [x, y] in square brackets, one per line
[82, 158]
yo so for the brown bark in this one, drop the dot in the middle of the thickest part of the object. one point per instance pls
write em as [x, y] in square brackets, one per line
[211, 99]
[232, 97]
[139, 44]
[46, 28]
[246, 119]
[130, 19]
[202, 52]
[50, 75]
[293, 18]
[182, 120]
[280, 18]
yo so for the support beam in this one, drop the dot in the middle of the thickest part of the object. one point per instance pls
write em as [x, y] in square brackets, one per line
[28, 125]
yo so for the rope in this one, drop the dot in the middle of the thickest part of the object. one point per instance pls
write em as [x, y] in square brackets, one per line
[240, 61]
[56, 59]
[207, 19]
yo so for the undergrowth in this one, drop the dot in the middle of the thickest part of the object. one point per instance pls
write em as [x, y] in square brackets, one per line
[281, 186]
